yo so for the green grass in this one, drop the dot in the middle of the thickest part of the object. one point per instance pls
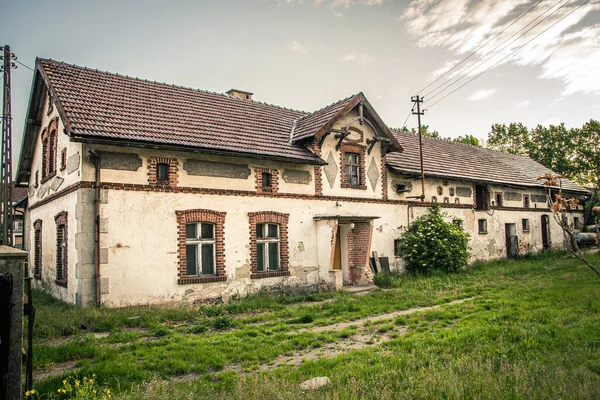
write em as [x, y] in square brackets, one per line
[530, 331]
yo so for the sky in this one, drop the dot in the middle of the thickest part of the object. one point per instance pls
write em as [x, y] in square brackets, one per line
[306, 54]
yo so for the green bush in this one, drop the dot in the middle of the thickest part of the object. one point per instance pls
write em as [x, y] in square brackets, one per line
[430, 243]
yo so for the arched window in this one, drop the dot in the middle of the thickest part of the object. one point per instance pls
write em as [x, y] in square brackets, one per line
[49, 149]
[37, 249]
[61, 248]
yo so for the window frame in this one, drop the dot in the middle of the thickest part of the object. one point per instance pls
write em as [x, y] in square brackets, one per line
[198, 242]
[268, 217]
[523, 223]
[162, 171]
[479, 226]
[37, 249]
[197, 216]
[266, 240]
[481, 200]
[360, 151]
[526, 201]
[352, 165]
[62, 249]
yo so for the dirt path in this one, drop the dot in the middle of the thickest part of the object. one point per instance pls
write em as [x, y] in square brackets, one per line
[392, 315]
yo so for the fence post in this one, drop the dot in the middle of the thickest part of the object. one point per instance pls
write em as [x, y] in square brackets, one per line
[11, 321]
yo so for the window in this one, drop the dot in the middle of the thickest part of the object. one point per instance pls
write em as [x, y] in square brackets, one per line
[267, 247]
[37, 180]
[61, 248]
[482, 225]
[352, 168]
[162, 171]
[526, 201]
[18, 225]
[525, 223]
[37, 249]
[200, 249]
[201, 246]
[267, 181]
[458, 222]
[499, 200]
[268, 244]
[576, 223]
[482, 200]
[63, 159]
[49, 149]
[397, 248]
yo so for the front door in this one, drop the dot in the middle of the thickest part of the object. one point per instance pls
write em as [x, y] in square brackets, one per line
[545, 232]
[512, 241]
[337, 252]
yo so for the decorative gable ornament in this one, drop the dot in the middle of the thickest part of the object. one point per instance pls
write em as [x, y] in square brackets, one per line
[331, 169]
[373, 173]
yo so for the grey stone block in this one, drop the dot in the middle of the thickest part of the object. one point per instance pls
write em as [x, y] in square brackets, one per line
[464, 191]
[103, 285]
[539, 198]
[331, 169]
[85, 271]
[103, 225]
[42, 191]
[216, 169]
[120, 161]
[513, 196]
[297, 176]
[84, 243]
[56, 182]
[104, 196]
[73, 163]
[103, 256]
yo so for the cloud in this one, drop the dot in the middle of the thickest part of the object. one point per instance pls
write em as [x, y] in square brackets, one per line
[361, 59]
[523, 104]
[481, 94]
[566, 51]
[296, 47]
[336, 3]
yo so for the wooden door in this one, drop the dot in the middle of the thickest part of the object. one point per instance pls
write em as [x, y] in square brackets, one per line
[545, 232]
[337, 253]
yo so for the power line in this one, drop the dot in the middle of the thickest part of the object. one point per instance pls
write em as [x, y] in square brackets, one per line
[481, 60]
[408, 116]
[482, 46]
[26, 66]
[511, 53]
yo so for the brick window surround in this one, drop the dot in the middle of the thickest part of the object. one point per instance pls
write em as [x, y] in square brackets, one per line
[49, 150]
[153, 172]
[273, 218]
[61, 248]
[37, 249]
[361, 151]
[214, 217]
[63, 159]
[274, 188]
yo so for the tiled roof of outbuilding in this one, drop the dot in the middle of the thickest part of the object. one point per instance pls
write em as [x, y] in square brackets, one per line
[103, 105]
[447, 159]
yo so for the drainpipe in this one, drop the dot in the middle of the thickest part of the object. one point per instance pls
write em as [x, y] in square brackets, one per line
[96, 162]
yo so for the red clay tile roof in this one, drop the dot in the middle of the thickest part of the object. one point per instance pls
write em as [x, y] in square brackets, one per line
[455, 160]
[109, 106]
[308, 125]
[18, 193]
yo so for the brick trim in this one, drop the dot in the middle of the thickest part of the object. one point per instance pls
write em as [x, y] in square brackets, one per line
[153, 172]
[37, 245]
[384, 177]
[262, 217]
[50, 104]
[200, 215]
[361, 151]
[63, 159]
[61, 219]
[274, 188]
[317, 169]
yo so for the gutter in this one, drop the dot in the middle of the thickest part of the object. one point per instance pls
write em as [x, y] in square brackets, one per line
[96, 162]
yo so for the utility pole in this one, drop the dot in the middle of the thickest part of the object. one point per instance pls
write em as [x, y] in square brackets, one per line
[418, 100]
[6, 167]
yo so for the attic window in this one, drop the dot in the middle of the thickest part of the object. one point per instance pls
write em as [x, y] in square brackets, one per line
[526, 202]
[401, 188]
[482, 199]
[267, 181]
[162, 172]
[499, 200]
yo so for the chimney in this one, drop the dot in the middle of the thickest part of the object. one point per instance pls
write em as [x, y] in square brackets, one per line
[240, 94]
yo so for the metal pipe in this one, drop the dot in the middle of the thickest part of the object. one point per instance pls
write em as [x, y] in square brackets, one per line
[98, 276]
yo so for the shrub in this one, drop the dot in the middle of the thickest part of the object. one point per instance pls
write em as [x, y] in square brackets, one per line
[430, 243]
[223, 323]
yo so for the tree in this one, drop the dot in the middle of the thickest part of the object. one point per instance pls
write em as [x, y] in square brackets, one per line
[587, 162]
[424, 131]
[467, 139]
[513, 138]
[559, 210]
[430, 243]
[554, 147]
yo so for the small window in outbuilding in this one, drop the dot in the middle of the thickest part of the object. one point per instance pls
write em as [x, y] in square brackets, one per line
[526, 201]
[440, 190]
[499, 200]
[525, 223]
[267, 181]
[458, 222]
[401, 188]
[397, 248]
[482, 225]
[482, 199]
[576, 223]
[162, 172]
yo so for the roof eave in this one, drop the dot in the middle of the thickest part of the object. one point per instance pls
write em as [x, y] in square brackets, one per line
[162, 146]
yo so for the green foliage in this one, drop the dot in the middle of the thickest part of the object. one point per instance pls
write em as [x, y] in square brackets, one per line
[223, 322]
[426, 132]
[467, 139]
[430, 243]
[388, 281]
[574, 153]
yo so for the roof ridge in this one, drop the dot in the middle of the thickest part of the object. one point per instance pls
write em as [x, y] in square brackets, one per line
[170, 85]
[331, 105]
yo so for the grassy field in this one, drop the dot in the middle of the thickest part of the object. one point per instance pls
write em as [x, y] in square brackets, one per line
[521, 329]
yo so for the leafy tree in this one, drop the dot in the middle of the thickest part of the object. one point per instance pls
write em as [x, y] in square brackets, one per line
[554, 148]
[424, 131]
[430, 243]
[587, 161]
[468, 139]
[513, 138]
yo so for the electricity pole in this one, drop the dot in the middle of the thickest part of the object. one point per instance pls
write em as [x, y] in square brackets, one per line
[418, 100]
[6, 167]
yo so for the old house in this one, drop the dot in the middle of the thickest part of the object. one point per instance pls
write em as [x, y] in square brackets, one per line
[143, 192]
